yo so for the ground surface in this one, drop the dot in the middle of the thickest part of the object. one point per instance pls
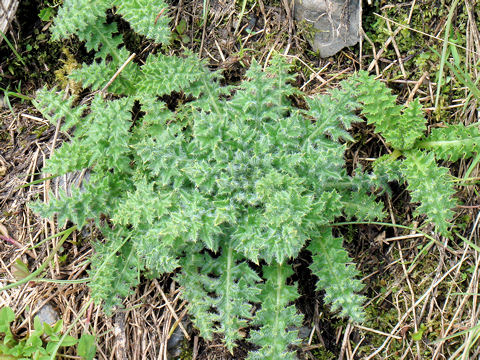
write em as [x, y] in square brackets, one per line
[419, 291]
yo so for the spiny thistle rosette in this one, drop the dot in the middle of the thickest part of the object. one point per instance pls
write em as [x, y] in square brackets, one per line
[229, 187]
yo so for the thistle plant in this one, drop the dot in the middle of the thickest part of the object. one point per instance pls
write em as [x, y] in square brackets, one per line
[414, 155]
[227, 188]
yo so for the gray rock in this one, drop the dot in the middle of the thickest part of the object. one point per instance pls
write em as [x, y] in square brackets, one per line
[335, 23]
[176, 342]
[48, 314]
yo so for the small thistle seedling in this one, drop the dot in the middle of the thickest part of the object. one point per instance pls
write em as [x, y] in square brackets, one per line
[227, 188]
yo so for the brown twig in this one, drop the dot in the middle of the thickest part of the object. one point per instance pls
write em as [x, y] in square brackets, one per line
[120, 69]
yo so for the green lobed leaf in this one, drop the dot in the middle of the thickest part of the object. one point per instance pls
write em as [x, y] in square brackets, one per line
[401, 127]
[165, 74]
[56, 106]
[387, 168]
[97, 74]
[333, 113]
[147, 17]
[359, 199]
[453, 142]
[99, 36]
[234, 284]
[102, 192]
[431, 186]
[222, 176]
[115, 269]
[195, 285]
[6, 317]
[336, 275]
[276, 317]
[74, 17]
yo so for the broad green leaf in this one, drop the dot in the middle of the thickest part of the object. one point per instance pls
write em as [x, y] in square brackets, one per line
[6, 317]
[86, 347]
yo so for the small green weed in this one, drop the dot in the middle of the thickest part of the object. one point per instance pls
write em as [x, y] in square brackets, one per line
[49, 11]
[41, 343]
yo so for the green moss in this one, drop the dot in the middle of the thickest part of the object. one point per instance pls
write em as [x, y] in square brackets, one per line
[306, 30]
[323, 354]
[416, 39]
[384, 313]
[37, 55]
[40, 130]
[187, 351]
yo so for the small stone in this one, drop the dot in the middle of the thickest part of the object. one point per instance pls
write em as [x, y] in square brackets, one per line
[48, 314]
[304, 333]
[336, 23]
[176, 342]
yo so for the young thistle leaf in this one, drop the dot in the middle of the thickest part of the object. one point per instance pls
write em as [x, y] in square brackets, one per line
[277, 317]
[431, 186]
[453, 142]
[336, 275]
[401, 127]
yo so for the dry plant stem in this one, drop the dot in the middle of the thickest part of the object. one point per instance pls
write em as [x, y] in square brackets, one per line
[120, 69]
[6, 267]
[391, 212]
[444, 53]
[346, 335]
[195, 348]
[378, 332]
[397, 52]
[426, 34]
[65, 334]
[416, 87]
[36, 118]
[473, 38]
[46, 188]
[465, 298]
[314, 75]
[211, 56]
[290, 24]
[474, 317]
[375, 59]
[405, 315]
[412, 294]
[171, 309]
[33, 275]
[31, 167]
[385, 224]
[32, 252]
[220, 50]
[410, 14]
[361, 32]
[332, 78]
[404, 237]
[357, 347]
[206, 4]
[11, 241]
[120, 340]
[463, 258]
[428, 318]
[179, 10]
[374, 63]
